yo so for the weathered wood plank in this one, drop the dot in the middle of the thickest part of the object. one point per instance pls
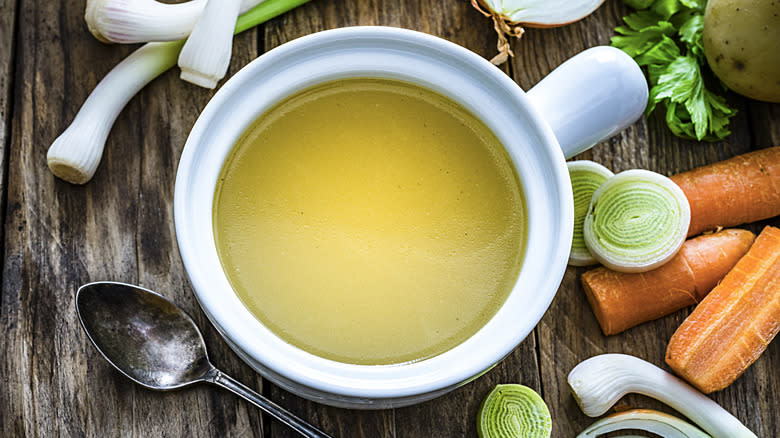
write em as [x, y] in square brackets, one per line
[7, 45]
[569, 333]
[48, 225]
[117, 227]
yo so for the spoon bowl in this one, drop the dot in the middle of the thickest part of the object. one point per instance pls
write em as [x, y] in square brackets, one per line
[145, 336]
[157, 345]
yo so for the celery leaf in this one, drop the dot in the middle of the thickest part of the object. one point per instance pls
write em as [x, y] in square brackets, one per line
[665, 38]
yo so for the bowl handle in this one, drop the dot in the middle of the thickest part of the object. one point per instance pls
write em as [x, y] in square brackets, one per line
[591, 97]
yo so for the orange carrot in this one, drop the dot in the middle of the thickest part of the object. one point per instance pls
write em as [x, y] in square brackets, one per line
[733, 325]
[621, 300]
[737, 191]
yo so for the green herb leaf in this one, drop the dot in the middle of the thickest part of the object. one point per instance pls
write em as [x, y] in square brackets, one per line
[665, 37]
[706, 115]
[690, 34]
[643, 32]
[666, 8]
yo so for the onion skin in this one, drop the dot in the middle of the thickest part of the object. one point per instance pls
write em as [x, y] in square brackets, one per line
[508, 26]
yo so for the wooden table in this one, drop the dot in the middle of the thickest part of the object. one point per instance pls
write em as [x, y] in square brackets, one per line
[119, 226]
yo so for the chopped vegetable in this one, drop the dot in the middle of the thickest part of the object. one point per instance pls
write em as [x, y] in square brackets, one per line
[733, 325]
[622, 300]
[659, 423]
[599, 382]
[665, 36]
[509, 17]
[637, 221]
[586, 176]
[141, 21]
[75, 154]
[513, 411]
[205, 57]
[742, 189]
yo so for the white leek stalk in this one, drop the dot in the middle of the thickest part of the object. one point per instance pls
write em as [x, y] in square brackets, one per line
[513, 411]
[599, 382]
[140, 21]
[659, 423]
[205, 57]
[509, 16]
[75, 154]
[586, 176]
[637, 221]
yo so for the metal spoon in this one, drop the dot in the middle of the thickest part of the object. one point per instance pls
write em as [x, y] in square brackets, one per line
[154, 343]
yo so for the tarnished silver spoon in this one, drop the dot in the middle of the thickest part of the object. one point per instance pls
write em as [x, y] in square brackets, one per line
[154, 343]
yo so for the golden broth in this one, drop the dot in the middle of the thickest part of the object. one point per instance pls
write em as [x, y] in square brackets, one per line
[370, 221]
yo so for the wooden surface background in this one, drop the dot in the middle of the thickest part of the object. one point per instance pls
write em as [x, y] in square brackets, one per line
[57, 236]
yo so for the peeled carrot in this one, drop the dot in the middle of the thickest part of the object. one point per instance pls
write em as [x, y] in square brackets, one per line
[733, 325]
[621, 300]
[742, 189]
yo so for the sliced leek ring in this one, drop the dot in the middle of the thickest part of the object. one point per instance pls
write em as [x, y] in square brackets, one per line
[586, 176]
[513, 411]
[637, 221]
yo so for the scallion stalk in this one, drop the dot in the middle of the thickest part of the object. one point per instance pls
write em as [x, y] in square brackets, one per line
[75, 154]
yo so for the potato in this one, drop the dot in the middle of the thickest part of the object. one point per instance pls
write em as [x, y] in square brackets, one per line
[742, 45]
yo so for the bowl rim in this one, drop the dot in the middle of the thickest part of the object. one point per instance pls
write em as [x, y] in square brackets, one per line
[378, 381]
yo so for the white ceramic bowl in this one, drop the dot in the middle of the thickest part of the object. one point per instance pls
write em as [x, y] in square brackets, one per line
[585, 100]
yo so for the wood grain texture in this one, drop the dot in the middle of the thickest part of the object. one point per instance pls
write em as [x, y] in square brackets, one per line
[569, 332]
[120, 227]
[7, 45]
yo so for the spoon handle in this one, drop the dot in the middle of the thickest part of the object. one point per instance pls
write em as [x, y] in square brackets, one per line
[276, 411]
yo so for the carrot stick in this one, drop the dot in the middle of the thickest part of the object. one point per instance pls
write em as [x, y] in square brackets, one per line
[621, 300]
[733, 325]
[742, 189]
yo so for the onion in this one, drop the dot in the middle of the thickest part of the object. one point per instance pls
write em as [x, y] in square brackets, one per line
[509, 17]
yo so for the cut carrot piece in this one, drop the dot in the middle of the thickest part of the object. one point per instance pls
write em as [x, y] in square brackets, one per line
[733, 325]
[740, 190]
[622, 300]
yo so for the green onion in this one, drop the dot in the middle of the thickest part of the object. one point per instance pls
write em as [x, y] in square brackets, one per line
[586, 176]
[513, 411]
[599, 382]
[637, 221]
[143, 21]
[75, 154]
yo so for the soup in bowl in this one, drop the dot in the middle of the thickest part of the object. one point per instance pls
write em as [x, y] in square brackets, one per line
[370, 221]
[372, 217]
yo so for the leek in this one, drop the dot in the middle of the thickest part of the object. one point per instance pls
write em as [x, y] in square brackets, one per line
[513, 411]
[586, 176]
[599, 382]
[637, 221]
[75, 154]
[141, 21]
[659, 423]
[205, 57]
